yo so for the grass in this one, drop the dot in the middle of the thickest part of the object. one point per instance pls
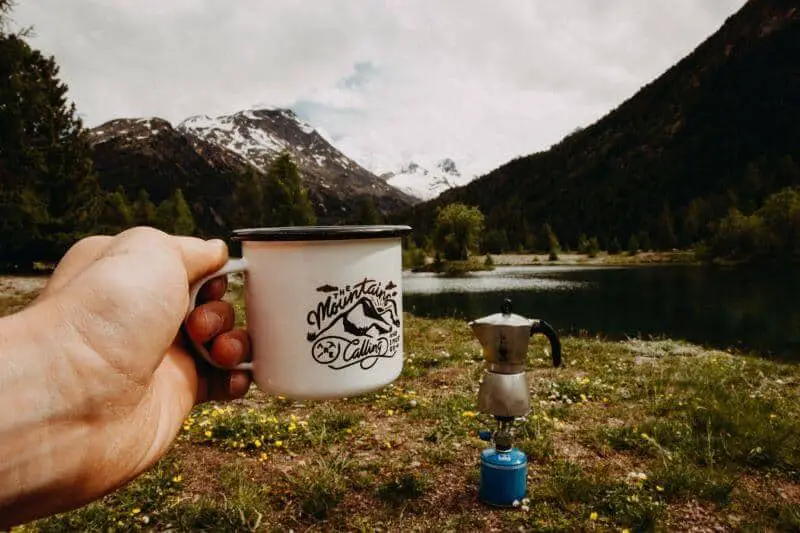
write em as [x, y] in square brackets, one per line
[643, 435]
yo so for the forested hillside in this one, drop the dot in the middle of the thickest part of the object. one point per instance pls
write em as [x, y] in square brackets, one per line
[718, 131]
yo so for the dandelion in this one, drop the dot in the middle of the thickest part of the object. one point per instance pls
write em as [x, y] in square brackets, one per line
[583, 398]
[262, 457]
[177, 479]
[593, 516]
[469, 414]
[349, 431]
[390, 412]
[207, 433]
[278, 443]
[257, 443]
[135, 511]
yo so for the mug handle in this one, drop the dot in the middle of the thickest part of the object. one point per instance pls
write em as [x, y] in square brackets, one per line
[540, 326]
[232, 266]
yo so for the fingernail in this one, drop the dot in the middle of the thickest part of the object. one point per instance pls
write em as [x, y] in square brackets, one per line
[236, 383]
[214, 322]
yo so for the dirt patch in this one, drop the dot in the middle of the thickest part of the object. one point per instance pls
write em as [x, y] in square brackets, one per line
[18, 291]
[694, 517]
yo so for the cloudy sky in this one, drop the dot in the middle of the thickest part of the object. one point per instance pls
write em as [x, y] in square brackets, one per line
[386, 81]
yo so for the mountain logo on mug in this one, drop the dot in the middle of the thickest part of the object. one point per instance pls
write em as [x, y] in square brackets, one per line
[355, 325]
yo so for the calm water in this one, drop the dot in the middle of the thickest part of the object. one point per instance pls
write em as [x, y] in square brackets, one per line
[745, 308]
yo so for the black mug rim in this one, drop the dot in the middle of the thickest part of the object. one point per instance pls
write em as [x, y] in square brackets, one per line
[320, 233]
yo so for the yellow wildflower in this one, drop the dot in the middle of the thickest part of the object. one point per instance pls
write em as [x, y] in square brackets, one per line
[292, 427]
[389, 412]
[136, 511]
[208, 433]
[349, 430]
[469, 414]
[293, 418]
[645, 436]
[257, 443]
[626, 530]
[773, 416]
[583, 398]
[278, 443]
[659, 488]
[262, 457]
[177, 479]
[593, 516]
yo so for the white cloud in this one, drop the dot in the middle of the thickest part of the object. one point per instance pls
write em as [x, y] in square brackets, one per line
[481, 82]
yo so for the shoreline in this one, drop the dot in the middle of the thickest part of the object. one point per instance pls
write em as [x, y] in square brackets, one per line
[601, 259]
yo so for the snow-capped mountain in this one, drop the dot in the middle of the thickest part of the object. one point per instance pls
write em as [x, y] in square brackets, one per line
[333, 180]
[425, 183]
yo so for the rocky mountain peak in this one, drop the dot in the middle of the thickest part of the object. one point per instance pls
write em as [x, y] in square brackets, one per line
[128, 128]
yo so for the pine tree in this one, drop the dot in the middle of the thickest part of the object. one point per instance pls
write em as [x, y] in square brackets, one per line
[286, 202]
[174, 215]
[49, 196]
[666, 239]
[246, 207]
[144, 211]
[366, 212]
[184, 221]
[116, 213]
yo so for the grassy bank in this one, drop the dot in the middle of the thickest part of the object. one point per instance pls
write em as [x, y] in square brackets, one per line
[637, 435]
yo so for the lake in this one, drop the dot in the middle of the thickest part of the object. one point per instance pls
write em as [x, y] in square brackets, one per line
[740, 308]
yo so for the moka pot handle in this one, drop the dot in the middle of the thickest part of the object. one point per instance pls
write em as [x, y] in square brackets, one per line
[540, 326]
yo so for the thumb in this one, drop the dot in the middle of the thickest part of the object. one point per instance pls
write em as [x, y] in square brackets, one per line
[200, 257]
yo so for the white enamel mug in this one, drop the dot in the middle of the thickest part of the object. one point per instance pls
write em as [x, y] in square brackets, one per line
[323, 306]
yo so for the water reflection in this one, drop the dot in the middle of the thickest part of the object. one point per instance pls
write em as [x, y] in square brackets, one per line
[501, 279]
[744, 308]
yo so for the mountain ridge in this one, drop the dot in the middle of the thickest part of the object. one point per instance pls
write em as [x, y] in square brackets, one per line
[205, 157]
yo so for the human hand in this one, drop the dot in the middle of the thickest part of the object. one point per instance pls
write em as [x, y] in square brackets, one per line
[115, 381]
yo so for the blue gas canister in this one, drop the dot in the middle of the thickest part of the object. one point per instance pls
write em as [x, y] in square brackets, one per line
[503, 476]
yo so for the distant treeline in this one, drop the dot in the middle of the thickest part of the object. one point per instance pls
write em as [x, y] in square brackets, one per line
[768, 233]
